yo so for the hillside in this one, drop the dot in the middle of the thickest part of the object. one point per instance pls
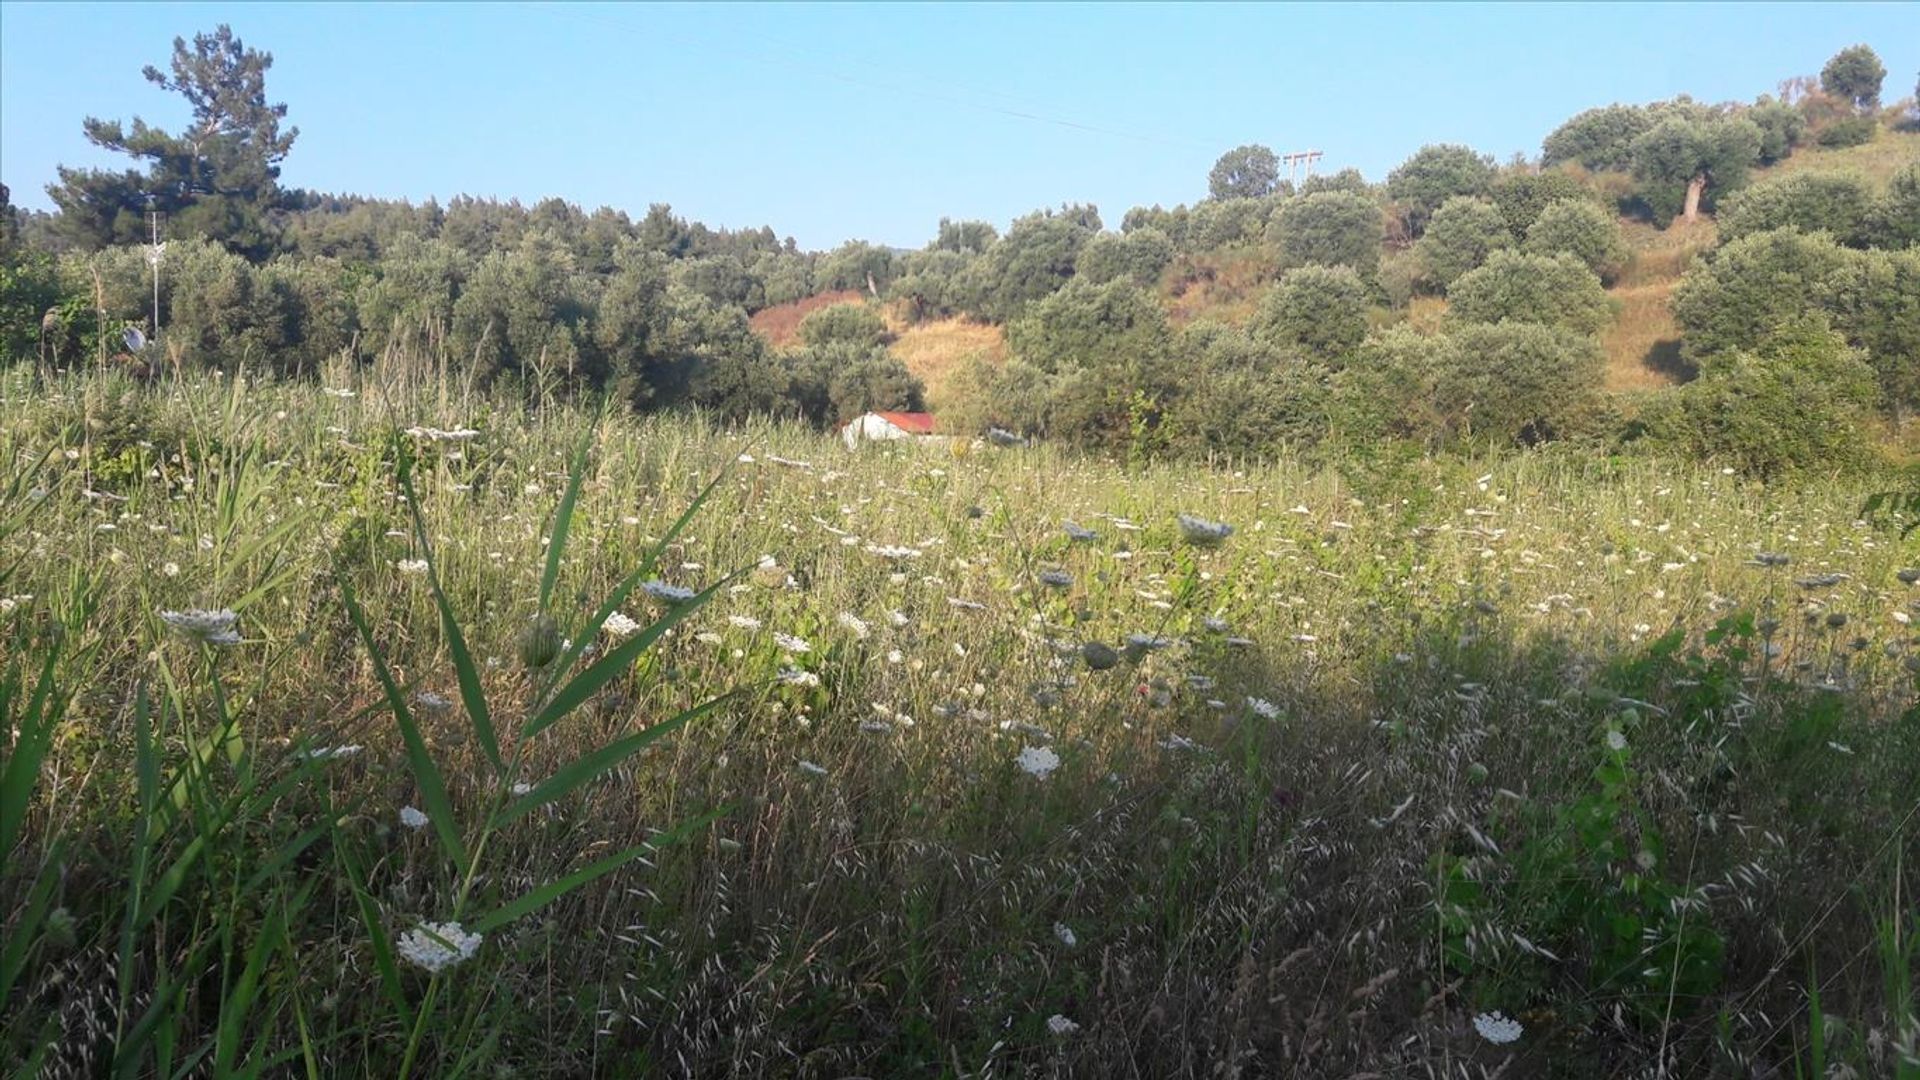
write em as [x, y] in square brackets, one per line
[1642, 345]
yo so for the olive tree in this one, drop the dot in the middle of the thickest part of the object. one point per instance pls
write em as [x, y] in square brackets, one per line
[1579, 228]
[1552, 290]
[1434, 174]
[1686, 162]
[1319, 310]
[1329, 228]
[1245, 172]
[1463, 232]
[1854, 75]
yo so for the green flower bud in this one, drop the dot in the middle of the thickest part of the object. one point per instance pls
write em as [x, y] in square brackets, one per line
[540, 641]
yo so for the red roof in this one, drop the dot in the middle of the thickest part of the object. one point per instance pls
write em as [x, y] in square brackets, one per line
[914, 423]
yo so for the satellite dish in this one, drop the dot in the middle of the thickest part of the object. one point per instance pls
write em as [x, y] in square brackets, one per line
[135, 340]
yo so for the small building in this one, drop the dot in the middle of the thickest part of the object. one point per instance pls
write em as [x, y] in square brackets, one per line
[888, 425]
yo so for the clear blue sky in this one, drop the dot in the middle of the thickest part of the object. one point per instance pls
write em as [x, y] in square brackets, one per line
[869, 121]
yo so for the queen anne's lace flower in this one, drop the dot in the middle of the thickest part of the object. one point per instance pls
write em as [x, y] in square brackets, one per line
[438, 946]
[1061, 1026]
[668, 594]
[1496, 1028]
[1202, 533]
[212, 627]
[1039, 760]
[412, 818]
[619, 625]
[411, 566]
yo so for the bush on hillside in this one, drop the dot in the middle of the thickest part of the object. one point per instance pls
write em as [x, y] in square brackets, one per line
[1550, 290]
[1836, 203]
[1848, 131]
[1521, 196]
[1434, 174]
[1329, 228]
[1504, 384]
[851, 324]
[1318, 310]
[1799, 401]
[1579, 228]
[1463, 232]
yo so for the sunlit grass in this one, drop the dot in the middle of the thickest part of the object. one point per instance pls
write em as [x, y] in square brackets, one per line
[1311, 813]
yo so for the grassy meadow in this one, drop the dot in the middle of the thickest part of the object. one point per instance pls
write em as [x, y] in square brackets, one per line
[880, 772]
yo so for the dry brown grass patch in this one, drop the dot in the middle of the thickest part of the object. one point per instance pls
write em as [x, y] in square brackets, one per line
[780, 324]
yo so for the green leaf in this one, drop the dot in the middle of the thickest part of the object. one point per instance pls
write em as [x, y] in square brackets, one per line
[585, 635]
[26, 926]
[547, 894]
[563, 519]
[472, 694]
[590, 765]
[376, 936]
[618, 659]
[433, 787]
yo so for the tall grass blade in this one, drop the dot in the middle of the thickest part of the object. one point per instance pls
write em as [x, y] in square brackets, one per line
[616, 661]
[563, 519]
[590, 765]
[548, 893]
[472, 695]
[433, 786]
[584, 635]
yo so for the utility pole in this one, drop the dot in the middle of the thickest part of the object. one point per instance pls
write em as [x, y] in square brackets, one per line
[153, 258]
[1298, 158]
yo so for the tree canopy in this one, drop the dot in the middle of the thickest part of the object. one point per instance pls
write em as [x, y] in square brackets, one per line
[218, 178]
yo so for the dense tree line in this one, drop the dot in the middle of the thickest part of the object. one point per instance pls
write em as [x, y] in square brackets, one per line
[1814, 269]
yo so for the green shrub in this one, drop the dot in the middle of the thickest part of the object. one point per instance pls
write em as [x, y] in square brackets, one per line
[1463, 232]
[851, 324]
[1521, 196]
[1551, 290]
[1799, 401]
[1329, 228]
[1848, 131]
[1500, 383]
[1836, 203]
[1320, 310]
[1579, 228]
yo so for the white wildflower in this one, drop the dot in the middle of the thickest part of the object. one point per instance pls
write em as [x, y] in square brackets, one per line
[855, 624]
[811, 769]
[438, 946]
[1264, 708]
[893, 551]
[744, 622]
[412, 818]
[1061, 1026]
[432, 702]
[789, 643]
[1496, 1028]
[797, 677]
[411, 566]
[1065, 934]
[1615, 740]
[212, 627]
[1039, 760]
[668, 594]
[327, 753]
[1200, 532]
[619, 625]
